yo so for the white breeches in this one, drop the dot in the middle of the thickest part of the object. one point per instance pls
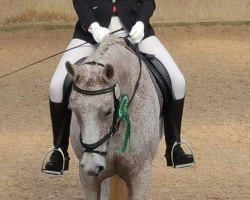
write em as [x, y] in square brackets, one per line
[150, 45]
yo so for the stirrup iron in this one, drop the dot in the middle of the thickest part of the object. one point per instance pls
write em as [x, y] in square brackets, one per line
[45, 158]
[172, 155]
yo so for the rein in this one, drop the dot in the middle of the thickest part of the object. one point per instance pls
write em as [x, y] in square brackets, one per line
[27, 66]
[121, 111]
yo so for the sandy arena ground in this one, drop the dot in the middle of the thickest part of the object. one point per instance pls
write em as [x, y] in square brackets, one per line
[215, 61]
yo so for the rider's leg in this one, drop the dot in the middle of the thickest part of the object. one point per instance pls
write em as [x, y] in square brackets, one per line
[152, 45]
[59, 94]
[58, 99]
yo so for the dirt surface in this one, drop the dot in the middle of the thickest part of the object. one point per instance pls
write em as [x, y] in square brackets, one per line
[215, 61]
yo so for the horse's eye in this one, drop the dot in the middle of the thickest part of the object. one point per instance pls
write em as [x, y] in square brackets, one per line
[108, 112]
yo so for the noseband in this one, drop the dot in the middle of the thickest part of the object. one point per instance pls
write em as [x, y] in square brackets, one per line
[90, 148]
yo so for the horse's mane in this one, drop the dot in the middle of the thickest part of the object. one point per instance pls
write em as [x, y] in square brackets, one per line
[114, 51]
[92, 74]
[109, 42]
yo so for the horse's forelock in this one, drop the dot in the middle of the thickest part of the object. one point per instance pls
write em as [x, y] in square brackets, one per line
[91, 77]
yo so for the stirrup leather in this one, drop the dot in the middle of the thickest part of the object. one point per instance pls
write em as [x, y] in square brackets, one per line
[45, 158]
[172, 155]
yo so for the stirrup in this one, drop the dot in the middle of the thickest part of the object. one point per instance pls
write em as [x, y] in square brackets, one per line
[45, 158]
[172, 155]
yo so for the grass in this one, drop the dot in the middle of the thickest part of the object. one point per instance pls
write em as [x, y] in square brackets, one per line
[15, 12]
[46, 26]
[32, 16]
[168, 12]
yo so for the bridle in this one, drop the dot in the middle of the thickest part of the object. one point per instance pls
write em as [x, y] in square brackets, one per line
[91, 148]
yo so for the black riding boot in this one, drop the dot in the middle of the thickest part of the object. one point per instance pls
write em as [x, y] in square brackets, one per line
[172, 126]
[60, 119]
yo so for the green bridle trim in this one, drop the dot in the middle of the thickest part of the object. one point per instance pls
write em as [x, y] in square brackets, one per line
[123, 114]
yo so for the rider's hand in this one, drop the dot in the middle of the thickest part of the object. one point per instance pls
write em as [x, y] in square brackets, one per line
[137, 32]
[98, 32]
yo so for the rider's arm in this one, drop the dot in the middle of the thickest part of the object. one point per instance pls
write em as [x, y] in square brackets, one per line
[84, 12]
[145, 11]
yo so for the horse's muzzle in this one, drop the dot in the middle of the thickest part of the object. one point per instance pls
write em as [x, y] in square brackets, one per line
[93, 171]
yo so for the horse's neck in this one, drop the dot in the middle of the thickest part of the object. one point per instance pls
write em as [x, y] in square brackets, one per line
[127, 74]
[126, 65]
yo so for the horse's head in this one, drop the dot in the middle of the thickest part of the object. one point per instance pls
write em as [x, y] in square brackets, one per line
[95, 94]
[94, 111]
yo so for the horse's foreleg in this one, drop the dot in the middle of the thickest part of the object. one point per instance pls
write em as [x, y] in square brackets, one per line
[91, 185]
[139, 182]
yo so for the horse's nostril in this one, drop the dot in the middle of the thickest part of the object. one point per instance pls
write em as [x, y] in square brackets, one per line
[82, 165]
[101, 168]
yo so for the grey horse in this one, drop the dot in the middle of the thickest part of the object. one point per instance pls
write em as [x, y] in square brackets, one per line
[114, 71]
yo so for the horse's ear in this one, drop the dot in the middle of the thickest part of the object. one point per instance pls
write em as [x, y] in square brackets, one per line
[71, 69]
[108, 72]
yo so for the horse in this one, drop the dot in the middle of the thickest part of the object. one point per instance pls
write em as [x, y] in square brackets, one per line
[116, 122]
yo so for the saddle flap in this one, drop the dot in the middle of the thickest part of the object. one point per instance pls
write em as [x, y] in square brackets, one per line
[160, 76]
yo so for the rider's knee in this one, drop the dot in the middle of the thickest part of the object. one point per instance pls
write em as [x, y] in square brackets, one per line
[179, 87]
[56, 91]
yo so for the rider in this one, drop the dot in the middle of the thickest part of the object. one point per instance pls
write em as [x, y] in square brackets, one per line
[97, 19]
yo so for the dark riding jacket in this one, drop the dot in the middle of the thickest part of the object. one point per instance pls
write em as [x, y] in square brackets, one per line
[129, 12]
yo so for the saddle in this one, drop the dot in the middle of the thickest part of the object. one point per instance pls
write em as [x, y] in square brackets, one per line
[158, 74]
[160, 78]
